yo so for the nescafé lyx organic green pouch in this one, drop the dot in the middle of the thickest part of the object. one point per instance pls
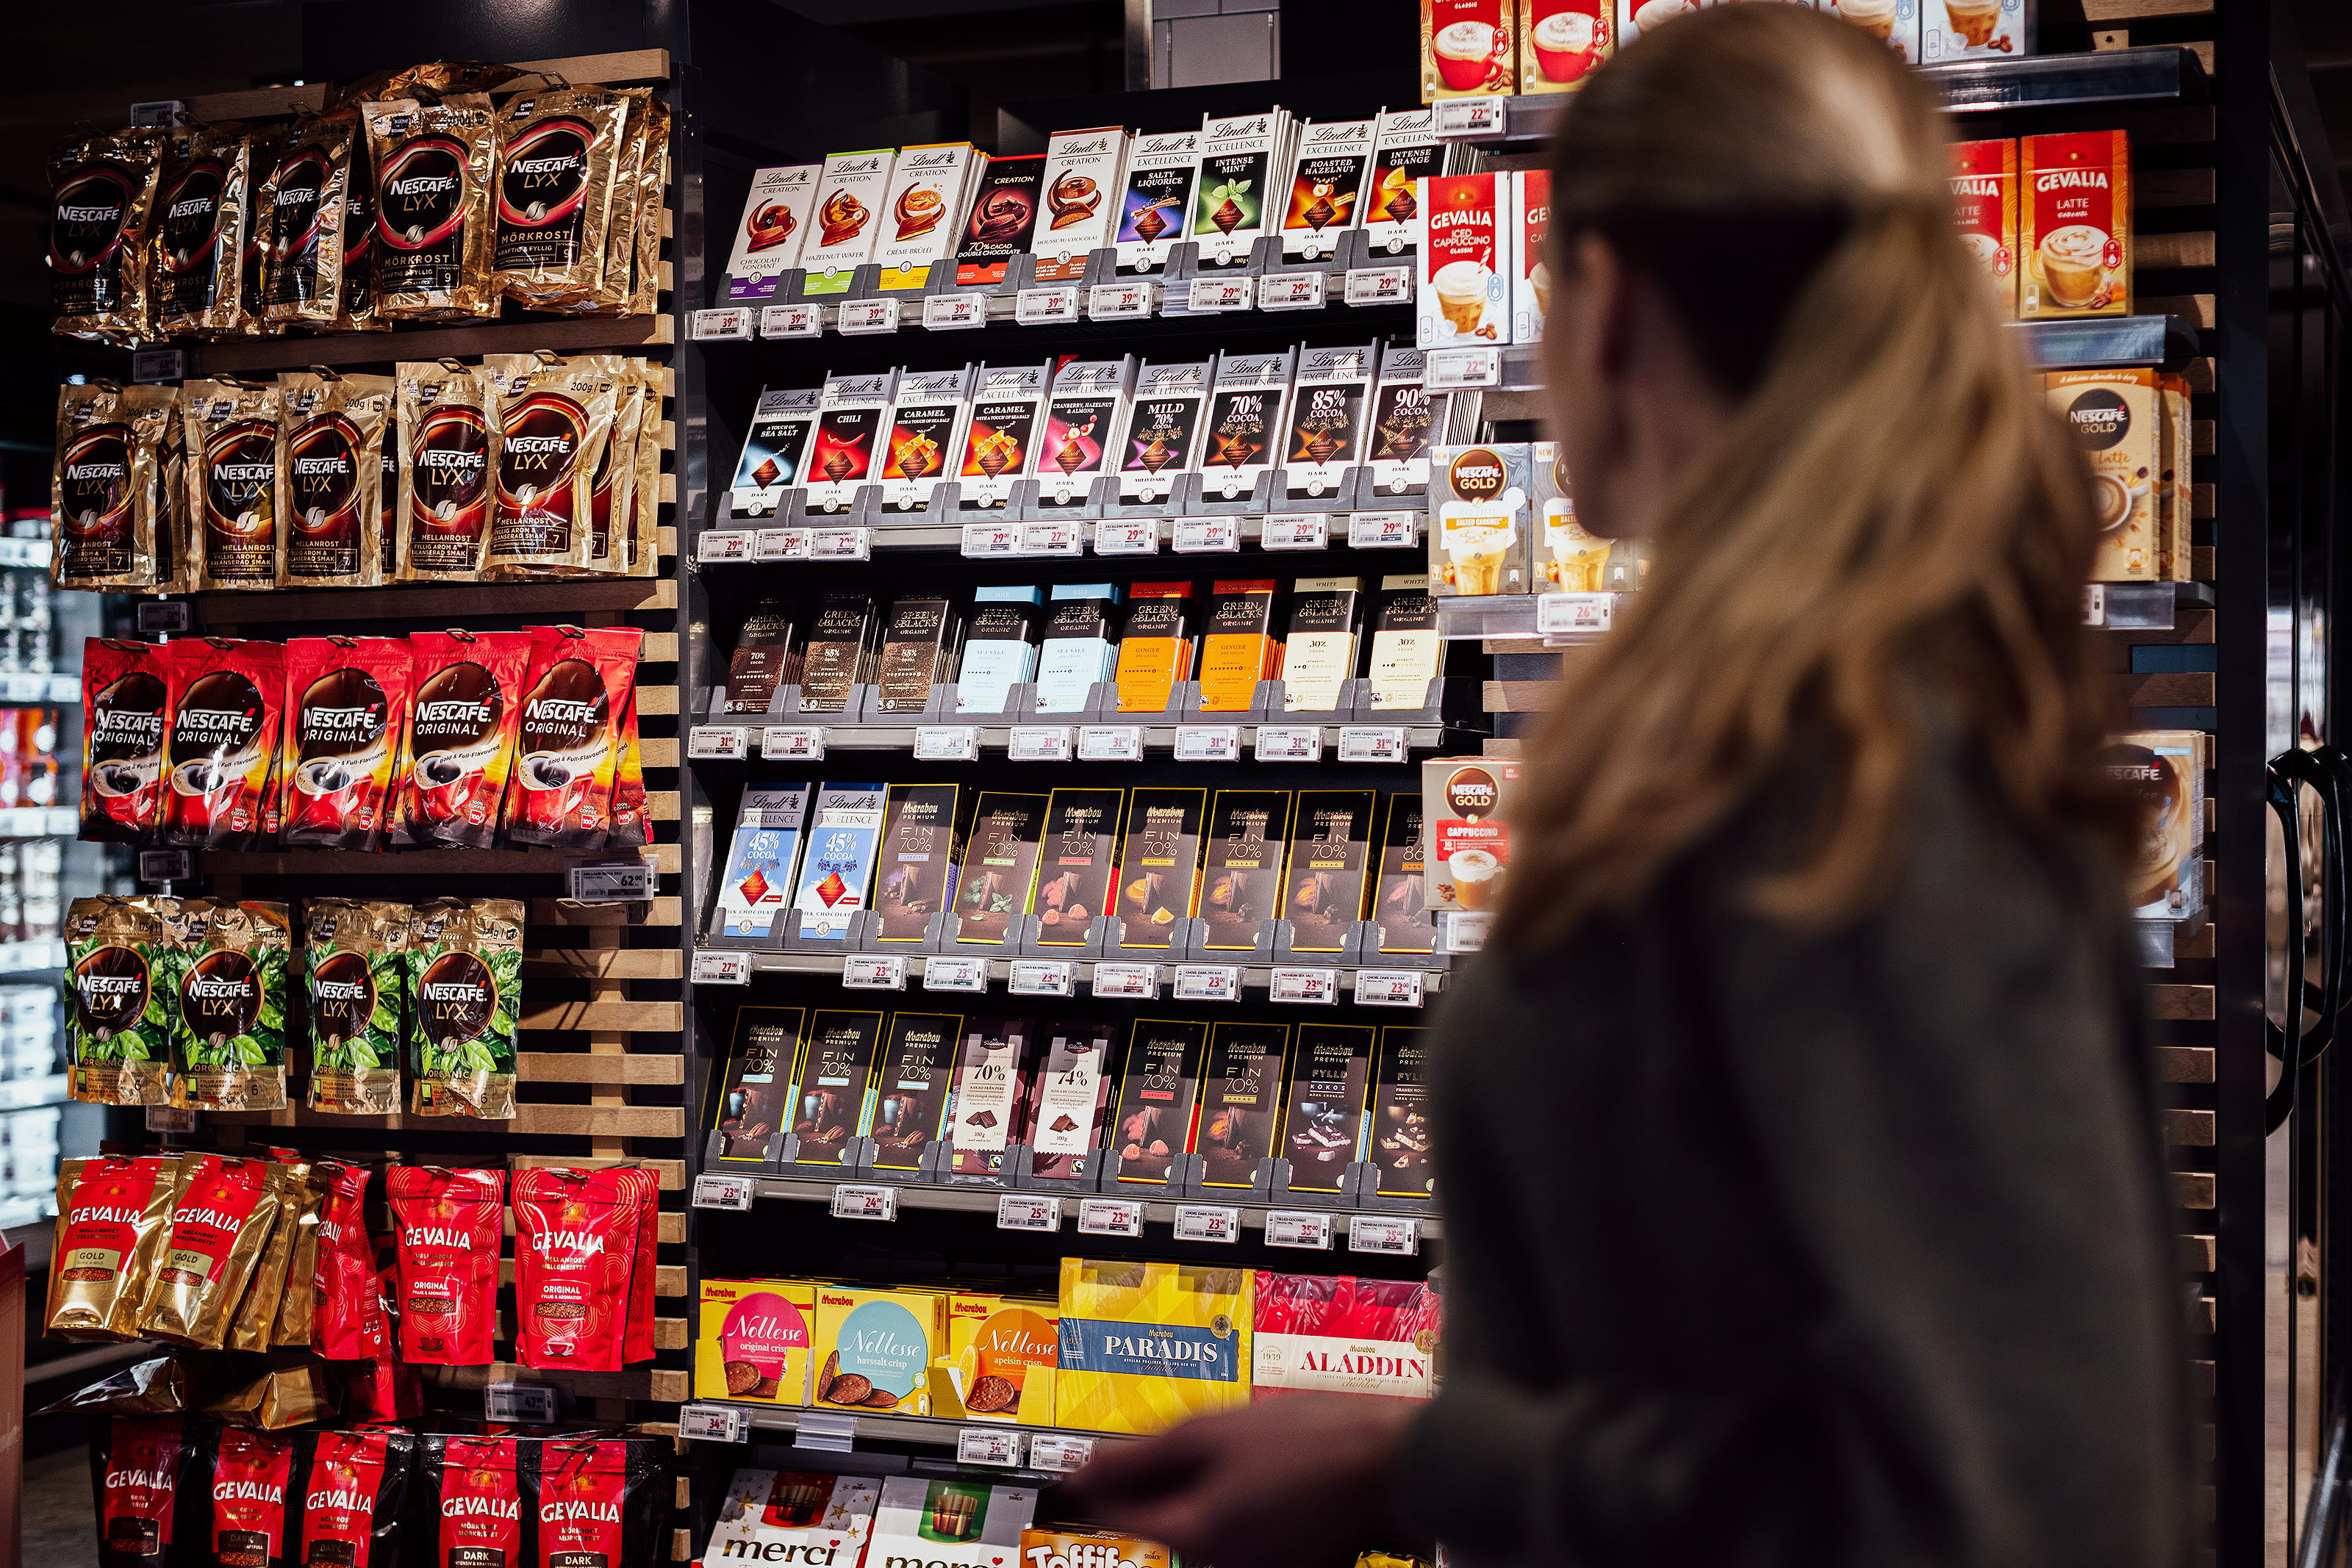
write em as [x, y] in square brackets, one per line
[230, 1044]
[465, 999]
[120, 962]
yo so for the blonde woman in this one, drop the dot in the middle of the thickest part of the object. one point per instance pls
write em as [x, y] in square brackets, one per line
[1801, 1191]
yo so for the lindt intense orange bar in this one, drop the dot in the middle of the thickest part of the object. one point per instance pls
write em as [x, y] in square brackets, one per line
[1238, 648]
[1155, 646]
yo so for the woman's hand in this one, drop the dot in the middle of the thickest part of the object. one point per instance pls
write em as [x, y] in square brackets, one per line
[1300, 1482]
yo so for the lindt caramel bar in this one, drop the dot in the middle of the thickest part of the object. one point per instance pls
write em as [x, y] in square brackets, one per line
[1241, 1101]
[999, 877]
[1319, 657]
[1238, 646]
[1155, 646]
[1160, 867]
[1330, 865]
[915, 870]
[1001, 434]
[1077, 863]
[830, 1096]
[1157, 1094]
[1323, 1104]
[919, 440]
[1243, 886]
[913, 1087]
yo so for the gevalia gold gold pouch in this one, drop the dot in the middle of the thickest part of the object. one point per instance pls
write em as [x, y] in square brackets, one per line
[256, 1319]
[433, 178]
[110, 1213]
[106, 490]
[199, 244]
[236, 481]
[222, 1212]
[557, 150]
[653, 183]
[644, 508]
[448, 448]
[304, 282]
[555, 419]
[102, 205]
[288, 1396]
[298, 1303]
[335, 429]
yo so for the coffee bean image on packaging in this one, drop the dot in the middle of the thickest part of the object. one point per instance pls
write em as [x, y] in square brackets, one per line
[575, 698]
[356, 961]
[433, 164]
[465, 996]
[236, 475]
[446, 439]
[228, 1047]
[106, 492]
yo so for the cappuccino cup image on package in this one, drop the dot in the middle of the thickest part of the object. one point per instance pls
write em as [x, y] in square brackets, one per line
[459, 749]
[220, 746]
[448, 432]
[336, 427]
[228, 1045]
[577, 697]
[121, 961]
[221, 1212]
[106, 493]
[355, 957]
[446, 1226]
[347, 706]
[465, 996]
[236, 477]
[554, 422]
[125, 698]
[110, 1217]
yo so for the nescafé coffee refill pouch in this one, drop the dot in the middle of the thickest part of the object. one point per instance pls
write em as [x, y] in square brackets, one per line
[222, 1215]
[558, 152]
[106, 492]
[125, 698]
[110, 1217]
[356, 955]
[555, 419]
[221, 748]
[446, 1226]
[576, 700]
[237, 478]
[229, 1045]
[460, 746]
[433, 169]
[103, 192]
[465, 984]
[336, 429]
[447, 439]
[121, 961]
[347, 704]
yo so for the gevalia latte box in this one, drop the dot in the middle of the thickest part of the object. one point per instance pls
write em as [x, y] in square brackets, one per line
[1984, 199]
[2075, 221]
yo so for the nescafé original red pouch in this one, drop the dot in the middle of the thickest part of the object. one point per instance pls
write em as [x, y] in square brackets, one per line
[447, 1226]
[221, 746]
[581, 688]
[460, 746]
[125, 699]
[346, 706]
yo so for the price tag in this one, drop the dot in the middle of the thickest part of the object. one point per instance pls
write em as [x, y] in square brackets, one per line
[723, 968]
[1111, 743]
[1127, 536]
[1046, 306]
[1207, 535]
[949, 312]
[1039, 743]
[171, 1119]
[1573, 614]
[1120, 301]
[159, 364]
[1389, 988]
[1466, 932]
[1378, 286]
[2094, 604]
[841, 544]
[1208, 742]
[955, 974]
[1207, 983]
[723, 544]
[727, 324]
[1220, 294]
[1372, 743]
[1294, 530]
[1291, 291]
[780, 544]
[519, 1403]
[157, 617]
[871, 972]
[1110, 1217]
[1471, 116]
[1384, 530]
[1207, 1222]
[1128, 982]
[1054, 538]
[860, 1200]
[731, 1192]
[1304, 1227]
[1463, 370]
[805, 320]
[1057, 1452]
[1042, 977]
[718, 743]
[713, 1424]
[947, 742]
[1289, 743]
[1397, 1235]
[792, 743]
[858, 316]
[1315, 987]
[166, 865]
[610, 882]
[992, 538]
[988, 1446]
[1028, 1211]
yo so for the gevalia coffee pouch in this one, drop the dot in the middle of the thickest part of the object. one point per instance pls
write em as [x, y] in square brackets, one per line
[280, 1399]
[256, 1320]
[347, 1315]
[220, 745]
[125, 693]
[465, 999]
[229, 1046]
[638, 1343]
[110, 1213]
[199, 231]
[555, 420]
[469, 1495]
[347, 702]
[460, 745]
[352, 1500]
[304, 282]
[335, 430]
[447, 1225]
[575, 1247]
[106, 492]
[119, 969]
[153, 1503]
[297, 1301]
[382, 1389]
[252, 1479]
[449, 441]
[236, 481]
[102, 202]
[156, 1388]
[355, 953]
[579, 688]
[221, 1212]
[556, 151]
[433, 168]
[596, 1502]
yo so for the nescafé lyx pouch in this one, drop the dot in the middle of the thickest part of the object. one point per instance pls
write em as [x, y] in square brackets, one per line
[557, 153]
[460, 746]
[237, 478]
[448, 445]
[336, 427]
[125, 697]
[222, 1212]
[102, 202]
[110, 1215]
[447, 1225]
[555, 417]
[107, 489]
[220, 750]
[465, 1004]
[356, 955]
[433, 168]
[304, 282]
[122, 970]
[200, 231]
[229, 1045]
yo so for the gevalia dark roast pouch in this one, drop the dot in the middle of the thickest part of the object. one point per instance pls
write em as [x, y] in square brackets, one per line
[228, 1049]
[575, 698]
[557, 150]
[597, 1501]
[200, 231]
[335, 430]
[148, 1476]
[236, 483]
[353, 1496]
[555, 417]
[125, 699]
[220, 746]
[355, 955]
[305, 278]
[465, 1003]
[346, 706]
[448, 447]
[460, 746]
[120, 968]
[255, 1513]
[102, 204]
[221, 1212]
[433, 178]
[105, 491]
[110, 1213]
[447, 1224]
[468, 1494]
[347, 1313]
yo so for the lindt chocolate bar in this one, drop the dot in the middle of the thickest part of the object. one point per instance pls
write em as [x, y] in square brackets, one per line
[101, 212]
[1331, 866]
[446, 417]
[1404, 926]
[221, 748]
[1163, 429]
[1407, 150]
[459, 749]
[126, 705]
[850, 189]
[1076, 863]
[1467, 256]
[1530, 216]
[769, 234]
[1155, 646]
[106, 493]
[774, 449]
[1243, 160]
[1324, 1105]
[1403, 423]
[1327, 186]
[836, 654]
[755, 1095]
[1466, 839]
[1086, 410]
[236, 477]
[832, 1094]
[761, 863]
[347, 707]
[916, 869]
[999, 647]
[1561, 41]
[1245, 422]
[1241, 1101]
[1159, 866]
[1478, 541]
[1161, 170]
[1006, 400]
[581, 690]
[762, 659]
[1399, 1136]
[837, 866]
[999, 876]
[1325, 429]
[1003, 209]
[1238, 645]
[1468, 47]
[924, 428]
[1407, 651]
[1077, 653]
[922, 210]
[913, 1087]
[435, 164]
[1244, 883]
[992, 1088]
[1068, 1096]
[2074, 223]
[852, 425]
[1082, 169]
[1319, 657]
[918, 644]
[1158, 1090]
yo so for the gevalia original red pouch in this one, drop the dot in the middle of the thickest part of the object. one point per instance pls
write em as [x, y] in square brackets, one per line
[126, 691]
[471, 1489]
[222, 1214]
[594, 1501]
[382, 1390]
[460, 745]
[575, 1249]
[448, 440]
[640, 1342]
[347, 1315]
[447, 1226]
[630, 827]
[581, 686]
[220, 750]
[351, 1497]
[110, 1213]
[336, 428]
[253, 1476]
[146, 1475]
[346, 706]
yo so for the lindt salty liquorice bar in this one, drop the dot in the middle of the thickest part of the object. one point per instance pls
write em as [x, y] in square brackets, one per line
[755, 1093]
[1407, 651]
[1161, 169]
[914, 1087]
[833, 1092]
[1159, 866]
[762, 659]
[1163, 430]
[1155, 646]
[918, 646]
[775, 449]
[1076, 863]
[1323, 1111]
[915, 876]
[1000, 866]
[1244, 881]
[1404, 925]
[1331, 867]
[1319, 657]
[1158, 1091]
[999, 647]
[1241, 1101]
[1238, 645]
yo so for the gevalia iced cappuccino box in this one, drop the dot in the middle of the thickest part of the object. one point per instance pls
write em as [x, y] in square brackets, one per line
[1466, 258]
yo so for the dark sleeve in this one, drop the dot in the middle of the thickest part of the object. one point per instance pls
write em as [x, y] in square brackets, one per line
[1939, 1106]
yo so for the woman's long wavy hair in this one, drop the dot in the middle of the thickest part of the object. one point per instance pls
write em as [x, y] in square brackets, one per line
[1892, 523]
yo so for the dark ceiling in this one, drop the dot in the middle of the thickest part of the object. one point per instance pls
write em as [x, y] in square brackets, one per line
[2325, 26]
